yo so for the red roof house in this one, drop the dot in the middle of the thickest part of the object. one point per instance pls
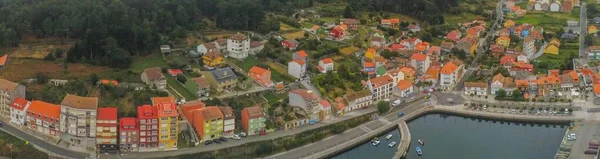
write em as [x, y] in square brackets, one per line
[453, 35]
[174, 72]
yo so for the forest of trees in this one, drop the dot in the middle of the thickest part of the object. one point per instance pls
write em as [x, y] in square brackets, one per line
[430, 11]
[109, 32]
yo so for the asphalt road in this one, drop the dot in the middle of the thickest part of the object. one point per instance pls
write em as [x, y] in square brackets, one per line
[308, 150]
[583, 25]
[586, 133]
[43, 144]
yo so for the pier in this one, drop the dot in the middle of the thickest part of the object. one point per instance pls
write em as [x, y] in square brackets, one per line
[405, 139]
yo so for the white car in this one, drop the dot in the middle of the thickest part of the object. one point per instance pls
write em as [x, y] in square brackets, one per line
[396, 102]
[236, 137]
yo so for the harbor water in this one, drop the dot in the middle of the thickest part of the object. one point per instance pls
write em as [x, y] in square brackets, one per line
[449, 137]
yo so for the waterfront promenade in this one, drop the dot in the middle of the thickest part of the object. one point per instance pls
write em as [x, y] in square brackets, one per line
[342, 142]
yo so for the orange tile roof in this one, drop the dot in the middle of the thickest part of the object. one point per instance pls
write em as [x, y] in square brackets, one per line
[19, 103]
[315, 27]
[554, 72]
[369, 64]
[380, 59]
[432, 72]
[448, 68]
[3, 60]
[521, 83]
[258, 70]
[300, 62]
[210, 113]
[45, 109]
[381, 81]
[418, 57]
[597, 89]
[504, 38]
[404, 84]
[476, 84]
[301, 54]
[162, 100]
[327, 60]
[107, 114]
[408, 71]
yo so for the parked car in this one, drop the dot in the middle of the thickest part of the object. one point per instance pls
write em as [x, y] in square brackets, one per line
[243, 134]
[236, 137]
[312, 122]
[208, 142]
[223, 139]
[217, 141]
[263, 133]
[400, 114]
[397, 102]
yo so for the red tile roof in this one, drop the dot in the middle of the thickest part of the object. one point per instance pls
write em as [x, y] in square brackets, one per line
[327, 60]
[107, 114]
[418, 57]
[128, 124]
[44, 109]
[381, 81]
[19, 103]
[174, 72]
[306, 94]
[257, 70]
[301, 54]
[300, 62]
[147, 112]
[448, 68]
[404, 84]
[506, 58]
[3, 60]
[324, 103]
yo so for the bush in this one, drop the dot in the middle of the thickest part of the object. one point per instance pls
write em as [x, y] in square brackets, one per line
[338, 128]
[383, 107]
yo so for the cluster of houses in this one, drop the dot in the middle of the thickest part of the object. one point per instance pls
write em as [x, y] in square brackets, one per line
[80, 122]
[237, 46]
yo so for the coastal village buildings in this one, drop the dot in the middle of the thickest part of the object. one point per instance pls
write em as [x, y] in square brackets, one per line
[44, 118]
[297, 68]
[228, 121]
[154, 78]
[381, 87]
[106, 129]
[325, 65]
[450, 73]
[358, 100]
[8, 92]
[148, 124]
[420, 62]
[128, 134]
[253, 120]
[238, 46]
[221, 79]
[208, 123]
[167, 120]
[261, 76]
[18, 111]
[78, 120]
[476, 88]
[309, 101]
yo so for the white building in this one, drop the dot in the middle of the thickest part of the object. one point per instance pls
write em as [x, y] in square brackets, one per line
[381, 87]
[238, 46]
[207, 47]
[555, 6]
[18, 111]
[256, 47]
[228, 121]
[522, 58]
[476, 88]
[529, 46]
[358, 100]
[403, 88]
[325, 65]
[8, 92]
[420, 62]
[450, 73]
[78, 120]
[297, 68]
[306, 100]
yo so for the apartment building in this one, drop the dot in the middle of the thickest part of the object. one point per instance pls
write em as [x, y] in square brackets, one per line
[228, 121]
[148, 124]
[253, 120]
[44, 118]
[238, 46]
[167, 118]
[129, 134]
[106, 130]
[8, 92]
[381, 87]
[78, 120]
[18, 110]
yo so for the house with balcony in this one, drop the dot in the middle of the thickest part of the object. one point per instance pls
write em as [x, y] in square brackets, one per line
[9, 91]
[238, 46]
[450, 73]
[199, 86]
[529, 46]
[154, 78]
[390, 23]
[18, 111]
[228, 121]
[106, 130]
[297, 68]
[307, 100]
[78, 120]
[208, 123]
[148, 124]
[476, 88]
[403, 88]
[420, 62]
[44, 118]
[213, 59]
[381, 87]
[290, 44]
[593, 52]
[221, 79]
[358, 100]
[128, 134]
[261, 76]
[253, 120]
[325, 65]
[167, 120]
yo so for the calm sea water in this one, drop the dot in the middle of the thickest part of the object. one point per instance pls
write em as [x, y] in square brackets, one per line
[454, 137]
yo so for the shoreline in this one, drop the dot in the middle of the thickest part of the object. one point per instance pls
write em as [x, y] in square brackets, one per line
[449, 110]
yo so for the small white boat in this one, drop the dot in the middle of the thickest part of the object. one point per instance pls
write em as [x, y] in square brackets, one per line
[421, 142]
[392, 144]
[389, 136]
[375, 143]
[419, 152]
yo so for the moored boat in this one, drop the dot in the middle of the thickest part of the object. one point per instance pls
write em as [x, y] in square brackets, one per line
[419, 152]
[389, 136]
[375, 143]
[421, 142]
[392, 144]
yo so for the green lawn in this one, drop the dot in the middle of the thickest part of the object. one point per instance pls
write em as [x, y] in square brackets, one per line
[180, 88]
[13, 147]
[328, 19]
[271, 98]
[153, 60]
[246, 64]
[547, 61]
[307, 25]
[462, 18]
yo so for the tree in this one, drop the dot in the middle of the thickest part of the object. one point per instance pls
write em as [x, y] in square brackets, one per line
[501, 94]
[94, 78]
[181, 78]
[589, 40]
[516, 94]
[502, 71]
[41, 78]
[383, 107]
[348, 12]
[389, 54]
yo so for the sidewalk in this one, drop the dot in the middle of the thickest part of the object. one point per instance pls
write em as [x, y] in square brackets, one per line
[491, 100]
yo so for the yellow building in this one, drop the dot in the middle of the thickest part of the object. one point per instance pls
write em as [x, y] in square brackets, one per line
[370, 53]
[551, 49]
[212, 59]
[409, 73]
[592, 29]
[554, 41]
[509, 23]
[503, 40]
[208, 123]
[474, 48]
[167, 122]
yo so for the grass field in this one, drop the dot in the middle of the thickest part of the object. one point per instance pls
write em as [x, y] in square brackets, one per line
[554, 61]
[14, 71]
[277, 71]
[283, 27]
[294, 35]
[307, 25]
[551, 21]
[13, 147]
[271, 98]
[246, 64]
[328, 19]
[39, 50]
[181, 89]
[152, 60]
[349, 50]
[463, 18]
